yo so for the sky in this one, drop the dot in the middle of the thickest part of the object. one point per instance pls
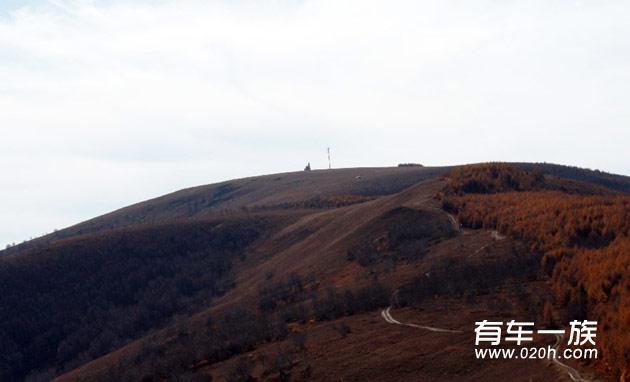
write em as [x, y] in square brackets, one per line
[107, 103]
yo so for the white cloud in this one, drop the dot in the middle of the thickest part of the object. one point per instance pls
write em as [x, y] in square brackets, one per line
[102, 102]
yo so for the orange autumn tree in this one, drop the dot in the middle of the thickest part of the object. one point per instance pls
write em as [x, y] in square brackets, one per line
[585, 240]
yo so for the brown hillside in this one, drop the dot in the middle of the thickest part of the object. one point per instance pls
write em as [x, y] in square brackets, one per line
[285, 276]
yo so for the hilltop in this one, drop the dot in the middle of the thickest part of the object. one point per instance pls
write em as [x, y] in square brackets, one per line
[285, 276]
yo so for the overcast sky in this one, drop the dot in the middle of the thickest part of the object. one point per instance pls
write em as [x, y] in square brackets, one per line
[106, 103]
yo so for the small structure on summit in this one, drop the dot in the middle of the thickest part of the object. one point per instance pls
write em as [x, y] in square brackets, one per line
[308, 167]
[329, 163]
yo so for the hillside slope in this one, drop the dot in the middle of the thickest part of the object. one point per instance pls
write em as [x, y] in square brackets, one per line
[171, 288]
[247, 193]
[287, 188]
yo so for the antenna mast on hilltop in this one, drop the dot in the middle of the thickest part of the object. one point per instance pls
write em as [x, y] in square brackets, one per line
[328, 151]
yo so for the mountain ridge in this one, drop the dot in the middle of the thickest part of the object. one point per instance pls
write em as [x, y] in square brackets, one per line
[301, 252]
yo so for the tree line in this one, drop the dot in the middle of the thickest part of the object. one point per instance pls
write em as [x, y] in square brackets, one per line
[583, 239]
[82, 298]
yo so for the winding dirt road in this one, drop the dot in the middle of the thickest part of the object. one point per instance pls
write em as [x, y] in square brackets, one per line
[573, 374]
[387, 316]
[454, 222]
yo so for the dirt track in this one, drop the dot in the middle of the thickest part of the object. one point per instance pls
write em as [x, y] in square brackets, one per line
[573, 373]
[385, 313]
